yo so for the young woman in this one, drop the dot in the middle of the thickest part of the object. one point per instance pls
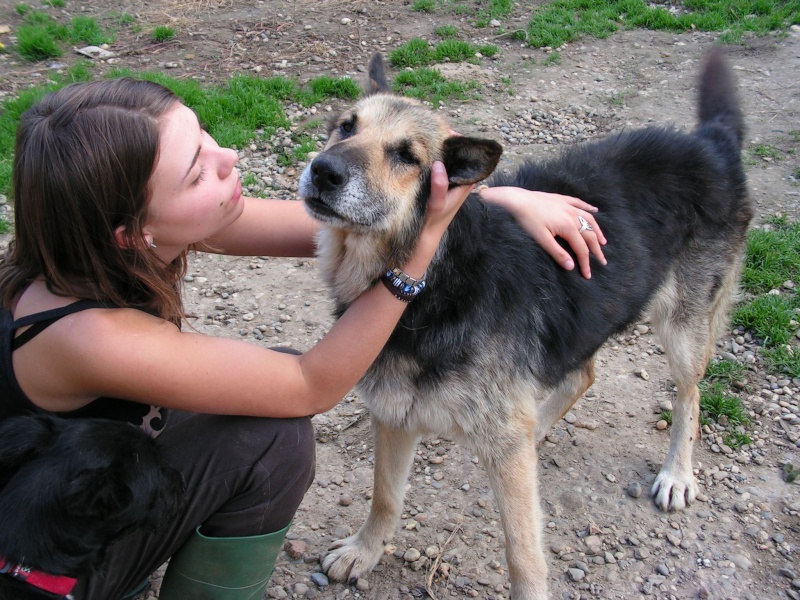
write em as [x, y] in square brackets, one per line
[114, 182]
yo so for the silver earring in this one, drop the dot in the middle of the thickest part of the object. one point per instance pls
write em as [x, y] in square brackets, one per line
[152, 245]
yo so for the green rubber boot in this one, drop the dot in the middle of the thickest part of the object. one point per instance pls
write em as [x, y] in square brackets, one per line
[226, 568]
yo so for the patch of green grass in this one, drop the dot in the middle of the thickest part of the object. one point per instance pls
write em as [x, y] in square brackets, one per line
[429, 85]
[488, 50]
[790, 472]
[40, 36]
[560, 21]
[423, 5]
[769, 317]
[553, 58]
[54, 3]
[447, 31]
[726, 371]
[417, 52]
[249, 179]
[414, 53]
[773, 256]
[796, 173]
[766, 151]
[5, 226]
[716, 398]
[305, 144]
[783, 359]
[22, 9]
[124, 19]
[162, 33]
[88, 31]
[496, 9]
[666, 415]
[35, 43]
[736, 439]
[323, 87]
[716, 401]
[454, 51]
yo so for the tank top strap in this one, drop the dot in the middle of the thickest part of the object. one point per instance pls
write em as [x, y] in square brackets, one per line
[42, 320]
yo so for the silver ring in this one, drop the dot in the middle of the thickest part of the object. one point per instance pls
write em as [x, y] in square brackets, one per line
[584, 225]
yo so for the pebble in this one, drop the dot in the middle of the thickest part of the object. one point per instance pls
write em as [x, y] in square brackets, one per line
[411, 555]
[634, 490]
[319, 579]
[576, 574]
[741, 561]
[295, 548]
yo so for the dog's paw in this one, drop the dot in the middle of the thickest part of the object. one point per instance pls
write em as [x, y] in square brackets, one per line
[674, 492]
[350, 559]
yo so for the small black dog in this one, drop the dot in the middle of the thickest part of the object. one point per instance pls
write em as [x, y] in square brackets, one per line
[70, 487]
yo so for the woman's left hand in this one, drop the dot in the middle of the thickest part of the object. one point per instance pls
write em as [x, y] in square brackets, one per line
[545, 216]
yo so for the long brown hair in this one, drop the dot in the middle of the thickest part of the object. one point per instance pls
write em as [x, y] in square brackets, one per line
[83, 160]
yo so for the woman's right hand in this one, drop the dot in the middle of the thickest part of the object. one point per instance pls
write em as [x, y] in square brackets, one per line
[443, 204]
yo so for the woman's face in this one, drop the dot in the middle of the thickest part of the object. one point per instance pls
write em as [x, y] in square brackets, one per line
[195, 186]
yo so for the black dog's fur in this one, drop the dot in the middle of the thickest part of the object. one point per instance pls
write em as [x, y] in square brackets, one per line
[70, 487]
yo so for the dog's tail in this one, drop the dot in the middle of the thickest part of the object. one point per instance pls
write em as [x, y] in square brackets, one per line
[718, 102]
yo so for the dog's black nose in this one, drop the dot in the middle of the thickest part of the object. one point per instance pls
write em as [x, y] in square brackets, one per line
[328, 172]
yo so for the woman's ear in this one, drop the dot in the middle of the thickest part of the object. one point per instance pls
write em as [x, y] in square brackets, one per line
[126, 242]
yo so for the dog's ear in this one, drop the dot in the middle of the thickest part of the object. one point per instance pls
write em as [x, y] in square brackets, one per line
[377, 82]
[469, 160]
[22, 438]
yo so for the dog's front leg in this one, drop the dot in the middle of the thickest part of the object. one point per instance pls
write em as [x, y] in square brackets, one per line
[512, 473]
[675, 487]
[355, 556]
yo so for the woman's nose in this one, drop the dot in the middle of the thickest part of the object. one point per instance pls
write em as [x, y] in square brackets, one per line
[228, 160]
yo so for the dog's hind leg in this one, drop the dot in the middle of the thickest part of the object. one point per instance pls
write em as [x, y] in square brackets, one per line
[688, 326]
[355, 556]
[512, 470]
[562, 398]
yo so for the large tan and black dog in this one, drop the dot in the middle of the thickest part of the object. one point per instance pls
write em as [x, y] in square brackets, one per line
[502, 342]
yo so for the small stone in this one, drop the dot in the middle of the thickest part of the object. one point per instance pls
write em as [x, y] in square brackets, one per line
[300, 589]
[319, 579]
[295, 548]
[345, 500]
[642, 553]
[662, 424]
[362, 585]
[576, 574]
[411, 555]
[634, 490]
[741, 561]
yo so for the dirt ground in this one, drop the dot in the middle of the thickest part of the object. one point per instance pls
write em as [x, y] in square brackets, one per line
[605, 537]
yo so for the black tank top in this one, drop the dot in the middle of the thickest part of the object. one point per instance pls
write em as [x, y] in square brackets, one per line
[14, 402]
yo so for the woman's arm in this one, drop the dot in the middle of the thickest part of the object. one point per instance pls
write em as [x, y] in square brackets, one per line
[268, 228]
[545, 216]
[129, 354]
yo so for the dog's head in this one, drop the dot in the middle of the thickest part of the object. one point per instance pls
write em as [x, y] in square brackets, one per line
[374, 174]
[69, 487]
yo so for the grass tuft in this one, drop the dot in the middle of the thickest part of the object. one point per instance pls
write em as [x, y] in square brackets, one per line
[555, 23]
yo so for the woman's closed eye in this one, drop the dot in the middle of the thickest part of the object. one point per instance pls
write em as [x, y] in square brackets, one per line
[200, 177]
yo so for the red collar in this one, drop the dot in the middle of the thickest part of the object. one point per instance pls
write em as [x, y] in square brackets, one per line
[55, 584]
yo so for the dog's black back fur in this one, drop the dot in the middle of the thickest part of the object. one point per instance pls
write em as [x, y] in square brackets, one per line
[662, 195]
[69, 487]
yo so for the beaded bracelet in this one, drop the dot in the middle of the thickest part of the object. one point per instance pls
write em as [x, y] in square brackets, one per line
[403, 286]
